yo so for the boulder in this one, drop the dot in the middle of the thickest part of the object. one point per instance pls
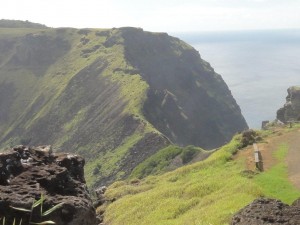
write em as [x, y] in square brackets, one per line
[267, 211]
[27, 173]
[291, 109]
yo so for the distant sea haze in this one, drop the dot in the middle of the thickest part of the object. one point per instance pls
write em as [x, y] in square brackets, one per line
[258, 66]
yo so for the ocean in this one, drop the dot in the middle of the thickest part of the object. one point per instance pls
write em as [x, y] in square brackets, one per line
[258, 66]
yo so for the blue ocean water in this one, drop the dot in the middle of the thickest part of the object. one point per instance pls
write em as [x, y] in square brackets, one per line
[258, 66]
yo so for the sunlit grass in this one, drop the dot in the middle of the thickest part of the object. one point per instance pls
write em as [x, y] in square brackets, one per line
[207, 192]
[202, 193]
[274, 182]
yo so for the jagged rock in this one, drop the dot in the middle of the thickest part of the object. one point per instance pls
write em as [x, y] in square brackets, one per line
[264, 124]
[291, 109]
[27, 173]
[267, 211]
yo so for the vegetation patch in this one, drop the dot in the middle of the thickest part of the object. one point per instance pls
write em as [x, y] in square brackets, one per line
[206, 192]
[107, 163]
[213, 188]
[274, 182]
[162, 160]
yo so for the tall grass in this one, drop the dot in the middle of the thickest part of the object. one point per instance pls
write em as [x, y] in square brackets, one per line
[274, 182]
[207, 192]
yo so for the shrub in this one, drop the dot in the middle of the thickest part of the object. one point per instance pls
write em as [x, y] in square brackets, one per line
[188, 153]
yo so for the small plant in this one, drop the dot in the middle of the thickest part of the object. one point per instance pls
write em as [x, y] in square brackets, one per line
[35, 204]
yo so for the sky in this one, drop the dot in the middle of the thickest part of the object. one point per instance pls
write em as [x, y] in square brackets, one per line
[158, 15]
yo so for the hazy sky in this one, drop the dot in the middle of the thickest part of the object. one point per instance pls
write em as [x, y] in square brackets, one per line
[158, 15]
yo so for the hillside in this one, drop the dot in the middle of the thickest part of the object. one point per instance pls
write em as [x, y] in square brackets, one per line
[20, 24]
[114, 96]
[213, 190]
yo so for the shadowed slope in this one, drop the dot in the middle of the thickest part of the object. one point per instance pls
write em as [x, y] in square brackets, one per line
[187, 100]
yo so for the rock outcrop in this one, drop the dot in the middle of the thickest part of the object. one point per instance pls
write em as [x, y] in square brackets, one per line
[27, 173]
[268, 211]
[291, 109]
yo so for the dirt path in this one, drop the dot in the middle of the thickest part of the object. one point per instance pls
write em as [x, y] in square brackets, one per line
[293, 158]
[292, 139]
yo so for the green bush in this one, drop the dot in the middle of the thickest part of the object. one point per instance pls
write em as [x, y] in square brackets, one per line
[188, 153]
[157, 162]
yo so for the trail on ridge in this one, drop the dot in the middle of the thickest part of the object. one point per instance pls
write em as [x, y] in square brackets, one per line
[293, 158]
[267, 148]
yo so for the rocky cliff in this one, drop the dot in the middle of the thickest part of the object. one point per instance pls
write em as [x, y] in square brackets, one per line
[291, 109]
[115, 96]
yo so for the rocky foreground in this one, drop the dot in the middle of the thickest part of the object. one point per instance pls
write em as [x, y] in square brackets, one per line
[268, 211]
[26, 174]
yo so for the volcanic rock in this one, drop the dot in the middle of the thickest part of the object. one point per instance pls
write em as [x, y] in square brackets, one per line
[291, 109]
[267, 211]
[28, 173]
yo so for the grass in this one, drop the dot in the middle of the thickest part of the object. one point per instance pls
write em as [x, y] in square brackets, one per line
[108, 162]
[57, 79]
[274, 182]
[194, 194]
[207, 192]
[157, 162]
[160, 162]
[36, 209]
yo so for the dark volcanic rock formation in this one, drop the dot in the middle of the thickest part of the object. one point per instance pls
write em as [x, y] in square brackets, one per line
[27, 173]
[291, 109]
[268, 211]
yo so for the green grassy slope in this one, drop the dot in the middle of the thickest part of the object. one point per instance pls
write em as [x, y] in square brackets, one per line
[72, 92]
[79, 91]
[168, 159]
[207, 192]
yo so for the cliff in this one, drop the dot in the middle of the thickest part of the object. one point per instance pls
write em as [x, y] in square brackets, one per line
[291, 109]
[115, 96]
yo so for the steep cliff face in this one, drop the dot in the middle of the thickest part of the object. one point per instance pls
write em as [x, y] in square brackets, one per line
[291, 109]
[116, 96]
[187, 101]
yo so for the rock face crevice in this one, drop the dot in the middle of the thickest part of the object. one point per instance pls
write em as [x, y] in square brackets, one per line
[291, 109]
[26, 174]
